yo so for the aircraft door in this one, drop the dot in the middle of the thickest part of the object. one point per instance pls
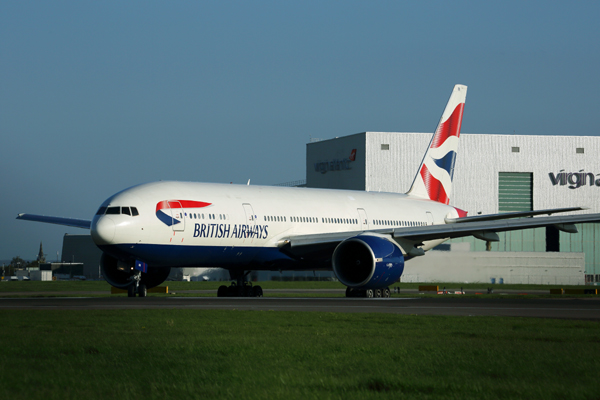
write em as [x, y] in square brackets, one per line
[250, 223]
[362, 218]
[178, 215]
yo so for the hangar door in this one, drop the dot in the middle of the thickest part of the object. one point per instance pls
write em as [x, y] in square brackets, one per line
[515, 191]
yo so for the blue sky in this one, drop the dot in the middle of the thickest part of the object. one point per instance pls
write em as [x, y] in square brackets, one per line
[99, 96]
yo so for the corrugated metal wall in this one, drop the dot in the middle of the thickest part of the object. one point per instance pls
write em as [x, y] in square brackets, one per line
[480, 159]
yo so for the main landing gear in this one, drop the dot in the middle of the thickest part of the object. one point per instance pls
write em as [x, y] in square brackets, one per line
[136, 287]
[352, 292]
[240, 288]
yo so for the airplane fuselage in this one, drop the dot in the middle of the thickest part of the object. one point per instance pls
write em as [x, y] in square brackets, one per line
[186, 224]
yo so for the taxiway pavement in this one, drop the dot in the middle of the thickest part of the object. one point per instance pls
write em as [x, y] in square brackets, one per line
[583, 308]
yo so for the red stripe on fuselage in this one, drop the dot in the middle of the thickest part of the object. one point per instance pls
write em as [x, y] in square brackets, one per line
[180, 204]
[450, 127]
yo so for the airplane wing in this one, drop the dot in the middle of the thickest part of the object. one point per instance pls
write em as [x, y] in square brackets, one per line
[479, 228]
[77, 223]
[518, 214]
[484, 227]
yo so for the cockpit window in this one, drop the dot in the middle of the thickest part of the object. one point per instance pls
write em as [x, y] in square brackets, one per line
[132, 211]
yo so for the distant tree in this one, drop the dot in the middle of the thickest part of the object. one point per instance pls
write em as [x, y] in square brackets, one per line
[18, 262]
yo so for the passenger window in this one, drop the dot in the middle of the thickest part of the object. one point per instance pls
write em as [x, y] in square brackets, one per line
[125, 211]
[113, 211]
[134, 212]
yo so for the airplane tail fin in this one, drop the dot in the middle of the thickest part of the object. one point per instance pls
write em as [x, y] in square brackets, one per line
[434, 177]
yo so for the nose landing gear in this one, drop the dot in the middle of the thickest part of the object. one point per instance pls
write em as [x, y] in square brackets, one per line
[136, 286]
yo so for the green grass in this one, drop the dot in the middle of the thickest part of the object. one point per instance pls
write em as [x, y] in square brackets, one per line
[53, 286]
[183, 354]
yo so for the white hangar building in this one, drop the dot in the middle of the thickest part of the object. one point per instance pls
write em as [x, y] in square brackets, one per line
[493, 173]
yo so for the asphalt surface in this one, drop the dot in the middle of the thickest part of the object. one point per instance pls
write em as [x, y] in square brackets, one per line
[584, 308]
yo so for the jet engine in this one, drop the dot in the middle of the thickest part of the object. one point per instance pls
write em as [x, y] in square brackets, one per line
[118, 273]
[368, 261]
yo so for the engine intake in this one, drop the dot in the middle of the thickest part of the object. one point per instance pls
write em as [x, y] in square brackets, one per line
[118, 273]
[368, 261]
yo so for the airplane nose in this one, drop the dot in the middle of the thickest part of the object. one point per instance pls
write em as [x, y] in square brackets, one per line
[104, 231]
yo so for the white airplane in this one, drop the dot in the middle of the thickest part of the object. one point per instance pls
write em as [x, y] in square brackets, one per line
[365, 237]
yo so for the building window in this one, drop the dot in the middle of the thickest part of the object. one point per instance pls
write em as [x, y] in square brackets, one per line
[516, 150]
[580, 150]
[385, 147]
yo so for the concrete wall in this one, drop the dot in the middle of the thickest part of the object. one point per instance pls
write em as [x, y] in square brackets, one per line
[481, 267]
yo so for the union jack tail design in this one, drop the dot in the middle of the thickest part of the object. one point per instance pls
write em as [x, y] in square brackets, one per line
[434, 177]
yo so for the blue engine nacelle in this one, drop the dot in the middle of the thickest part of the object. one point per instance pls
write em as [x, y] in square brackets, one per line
[368, 261]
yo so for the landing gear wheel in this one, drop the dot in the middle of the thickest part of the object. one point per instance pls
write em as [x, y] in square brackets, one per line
[232, 290]
[240, 286]
[142, 290]
[350, 292]
[385, 292]
[241, 291]
[369, 293]
[377, 293]
[131, 290]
